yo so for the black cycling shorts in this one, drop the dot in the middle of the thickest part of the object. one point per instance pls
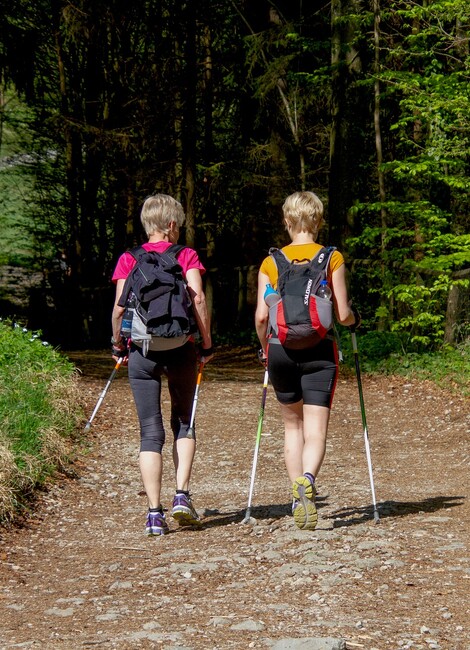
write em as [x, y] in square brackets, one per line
[309, 375]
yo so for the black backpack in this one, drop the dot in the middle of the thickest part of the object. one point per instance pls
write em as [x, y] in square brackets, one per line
[157, 294]
[301, 319]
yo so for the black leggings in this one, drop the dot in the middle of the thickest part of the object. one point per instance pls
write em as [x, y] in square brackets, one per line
[309, 375]
[145, 378]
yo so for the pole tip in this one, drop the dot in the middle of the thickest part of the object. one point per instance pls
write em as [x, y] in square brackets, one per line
[87, 427]
[249, 520]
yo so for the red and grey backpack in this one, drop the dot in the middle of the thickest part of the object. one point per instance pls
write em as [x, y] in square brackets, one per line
[301, 319]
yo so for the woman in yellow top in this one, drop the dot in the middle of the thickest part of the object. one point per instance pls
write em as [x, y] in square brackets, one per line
[304, 380]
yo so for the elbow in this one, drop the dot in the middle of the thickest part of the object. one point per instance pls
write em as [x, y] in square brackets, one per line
[118, 311]
[199, 299]
[261, 320]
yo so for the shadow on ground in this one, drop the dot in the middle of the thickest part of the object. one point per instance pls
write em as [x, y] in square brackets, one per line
[351, 516]
[340, 518]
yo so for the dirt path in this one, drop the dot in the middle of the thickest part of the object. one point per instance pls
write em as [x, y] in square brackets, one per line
[82, 574]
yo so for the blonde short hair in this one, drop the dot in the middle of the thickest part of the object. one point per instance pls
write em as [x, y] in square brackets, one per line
[303, 211]
[159, 211]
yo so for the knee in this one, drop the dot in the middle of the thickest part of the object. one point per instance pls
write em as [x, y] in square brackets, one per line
[152, 434]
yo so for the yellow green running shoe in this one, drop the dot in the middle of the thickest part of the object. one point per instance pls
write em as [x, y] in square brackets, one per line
[303, 507]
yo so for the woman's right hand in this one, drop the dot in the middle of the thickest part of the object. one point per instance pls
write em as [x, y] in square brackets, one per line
[120, 351]
[357, 319]
[262, 358]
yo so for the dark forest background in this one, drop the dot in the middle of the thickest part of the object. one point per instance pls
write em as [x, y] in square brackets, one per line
[230, 107]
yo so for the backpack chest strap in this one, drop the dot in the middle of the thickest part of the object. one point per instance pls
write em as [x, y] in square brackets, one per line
[319, 261]
[174, 250]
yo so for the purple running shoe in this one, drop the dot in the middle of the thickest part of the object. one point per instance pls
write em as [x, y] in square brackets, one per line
[183, 511]
[156, 524]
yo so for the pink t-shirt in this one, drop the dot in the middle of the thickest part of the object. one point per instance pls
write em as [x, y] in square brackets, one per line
[188, 258]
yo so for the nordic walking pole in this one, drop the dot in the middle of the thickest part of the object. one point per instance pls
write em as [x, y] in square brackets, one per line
[258, 438]
[190, 433]
[364, 422]
[103, 394]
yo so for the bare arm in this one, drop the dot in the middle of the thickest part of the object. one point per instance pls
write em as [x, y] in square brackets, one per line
[342, 304]
[118, 312]
[116, 321]
[262, 312]
[194, 280]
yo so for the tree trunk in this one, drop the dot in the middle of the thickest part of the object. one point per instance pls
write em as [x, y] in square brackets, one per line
[209, 210]
[190, 187]
[189, 130]
[282, 88]
[2, 114]
[346, 63]
[457, 296]
[70, 166]
[379, 153]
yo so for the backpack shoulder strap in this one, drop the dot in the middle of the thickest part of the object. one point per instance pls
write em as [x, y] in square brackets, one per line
[137, 252]
[175, 249]
[331, 250]
[170, 255]
[280, 259]
[321, 260]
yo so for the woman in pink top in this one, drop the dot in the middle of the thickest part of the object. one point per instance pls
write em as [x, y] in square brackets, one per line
[162, 217]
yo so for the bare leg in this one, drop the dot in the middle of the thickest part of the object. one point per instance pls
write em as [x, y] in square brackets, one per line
[306, 427]
[305, 444]
[184, 450]
[316, 420]
[150, 463]
[292, 416]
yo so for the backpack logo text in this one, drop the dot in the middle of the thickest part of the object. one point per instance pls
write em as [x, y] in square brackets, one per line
[307, 291]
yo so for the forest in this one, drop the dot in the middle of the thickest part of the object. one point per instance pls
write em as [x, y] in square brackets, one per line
[230, 107]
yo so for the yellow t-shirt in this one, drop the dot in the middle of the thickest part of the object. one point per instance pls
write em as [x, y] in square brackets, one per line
[299, 252]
